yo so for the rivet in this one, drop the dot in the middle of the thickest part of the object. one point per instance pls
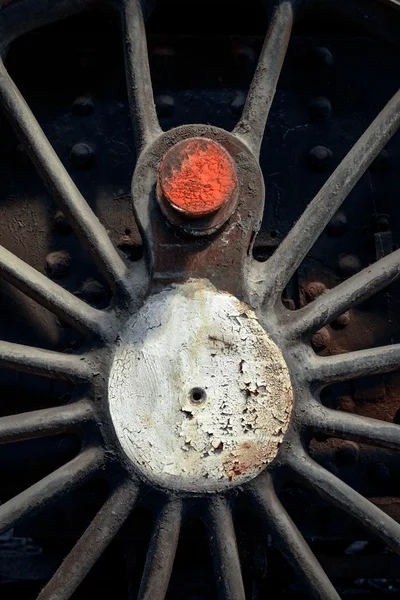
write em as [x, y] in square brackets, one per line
[321, 339]
[349, 264]
[320, 158]
[342, 320]
[93, 291]
[383, 223]
[380, 163]
[320, 108]
[244, 54]
[314, 289]
[83, 105]
[58, 264]
[347, 453]
[323, 56]
[165, 105]
[132, 247]
[237, 103]
[81, 155]
[337, 224]
[61, 223]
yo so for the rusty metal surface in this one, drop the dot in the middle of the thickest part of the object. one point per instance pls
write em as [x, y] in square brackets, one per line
[346, 396]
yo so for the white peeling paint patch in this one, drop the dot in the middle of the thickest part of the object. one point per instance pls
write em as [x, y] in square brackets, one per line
[192, 336]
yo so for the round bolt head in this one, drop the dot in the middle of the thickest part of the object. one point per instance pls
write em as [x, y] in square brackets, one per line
[61, 223]
[83, 105]
[323, 56]
[165, 105]
[320, 108]
[320, 158]
[237, 103]
[93, 291]
[349, 264]
[81, 155]
[197, 176]
[342, 320]
[58, 264]
[337, 224]
[321, 339]
[314, 289]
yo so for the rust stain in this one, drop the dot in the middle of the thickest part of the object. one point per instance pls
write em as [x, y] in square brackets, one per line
[197, 176]
[245, 457]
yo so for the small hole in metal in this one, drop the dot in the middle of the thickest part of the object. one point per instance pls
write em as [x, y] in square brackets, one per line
[197, 395]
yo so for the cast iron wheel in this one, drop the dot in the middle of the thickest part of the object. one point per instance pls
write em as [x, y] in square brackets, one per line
[243, 383]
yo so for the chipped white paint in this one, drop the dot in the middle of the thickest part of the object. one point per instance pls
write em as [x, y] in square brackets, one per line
[192, 336]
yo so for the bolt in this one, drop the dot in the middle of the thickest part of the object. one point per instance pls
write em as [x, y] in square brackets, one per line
[323, 57]
[342, 321]
[314, 289]
[93, 292]
[83, 105]
[349, 264]
[61, 223]
[321, 339]
[337, 224]
[346, 404]
[347, 453]
[58, 264]
[320, 158]
[165, 105]
[320, 108]
[81, 155]
[380, 163]
[130, 246]
[197, 176]
[245, 58]
[383, 223]
[237, 103]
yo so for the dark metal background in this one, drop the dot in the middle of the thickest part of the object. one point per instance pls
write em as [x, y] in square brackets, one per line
[336, 78]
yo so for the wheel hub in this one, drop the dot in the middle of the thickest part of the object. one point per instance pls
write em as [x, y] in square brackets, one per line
[200, 396]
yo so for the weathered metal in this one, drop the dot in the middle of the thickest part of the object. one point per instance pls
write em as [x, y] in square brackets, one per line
[196, 387]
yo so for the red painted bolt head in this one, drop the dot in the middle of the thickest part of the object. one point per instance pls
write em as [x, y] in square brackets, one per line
[197, 176]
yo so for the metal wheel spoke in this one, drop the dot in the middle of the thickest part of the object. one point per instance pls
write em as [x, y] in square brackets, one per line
[290, 542]
[338, 493]
[39, 423]
[252, 123]
[224, 550]
[51, 295]
[92, 544]
[291, 252]
[44, 362]
[161, 552]
[144, 116]
[85, 223]
[50, 488]
[352, 427]
[351, 292]
[356, 364]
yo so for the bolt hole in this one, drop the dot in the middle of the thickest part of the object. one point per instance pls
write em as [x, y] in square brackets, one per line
[197, 395]
[273, 234]
[127, 231]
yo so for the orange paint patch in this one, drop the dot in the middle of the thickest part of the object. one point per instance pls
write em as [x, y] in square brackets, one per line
[197, 176]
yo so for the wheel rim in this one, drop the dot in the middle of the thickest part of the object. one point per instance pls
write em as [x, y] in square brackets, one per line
[260, 286]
